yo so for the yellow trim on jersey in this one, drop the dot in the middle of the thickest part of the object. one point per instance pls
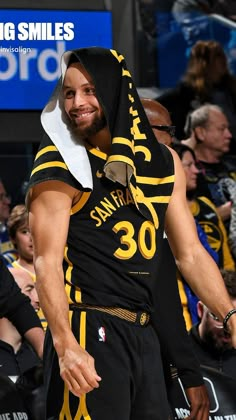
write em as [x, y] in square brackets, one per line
[161, 199]
[82, 337]
[195, 208]
[78, 298]
[184, 302]
[96, 152]
[68, 280]
[65, 411]
[82, 412]
[45, 150]
[70, 265]
[117, 158]
[15, 264]
[155, 181]
[82, 201]
[68, 276]
[49, 165]
[82, 409]
[209, 203]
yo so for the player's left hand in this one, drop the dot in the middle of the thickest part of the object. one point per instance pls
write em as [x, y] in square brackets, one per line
[199, 403]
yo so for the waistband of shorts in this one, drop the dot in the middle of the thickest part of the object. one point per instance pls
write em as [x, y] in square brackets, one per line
[139, 318]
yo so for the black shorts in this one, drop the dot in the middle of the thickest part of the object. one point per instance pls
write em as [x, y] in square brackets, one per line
[127, 357]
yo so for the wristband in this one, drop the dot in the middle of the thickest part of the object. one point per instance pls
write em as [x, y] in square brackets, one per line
[229, 314]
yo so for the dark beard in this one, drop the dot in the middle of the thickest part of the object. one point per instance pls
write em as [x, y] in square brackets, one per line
[84, 133]
[213, 345]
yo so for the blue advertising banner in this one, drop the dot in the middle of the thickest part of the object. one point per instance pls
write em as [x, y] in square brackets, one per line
[31, 44]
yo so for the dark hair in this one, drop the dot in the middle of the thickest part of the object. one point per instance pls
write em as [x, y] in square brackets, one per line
[181, 149]
[229, 277]
[73, 59]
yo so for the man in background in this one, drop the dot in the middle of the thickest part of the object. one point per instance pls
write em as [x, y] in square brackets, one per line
[6, 247]
[175, 344]
[211, 344]
[210, 138]
[16, 355]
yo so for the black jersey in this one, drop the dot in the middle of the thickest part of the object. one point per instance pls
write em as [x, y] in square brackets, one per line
[112, 251]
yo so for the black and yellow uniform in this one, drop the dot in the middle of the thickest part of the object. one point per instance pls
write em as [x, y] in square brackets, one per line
[106, 225]
[204, 211]
[111, 260]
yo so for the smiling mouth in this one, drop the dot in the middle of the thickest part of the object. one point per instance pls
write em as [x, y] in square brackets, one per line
[81, 115]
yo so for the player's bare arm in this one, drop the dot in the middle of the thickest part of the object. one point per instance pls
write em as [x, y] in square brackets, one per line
[51, 204]
[196, 265]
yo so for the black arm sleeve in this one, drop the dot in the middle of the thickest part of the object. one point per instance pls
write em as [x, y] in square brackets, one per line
[14, 305]
[169, 323]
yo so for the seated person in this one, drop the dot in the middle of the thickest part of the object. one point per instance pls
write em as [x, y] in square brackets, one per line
[172, 334]
[212, 345]
[12, 405]
[18, 227]
[210, 137]
[18, 360]
[206, 215]
[213, 348]
[6, 247]
[16, 307]
[16, 354]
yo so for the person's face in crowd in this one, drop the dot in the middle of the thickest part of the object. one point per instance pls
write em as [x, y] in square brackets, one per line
[81, 104]
[158, 116]
[27, 287]
[216, 135]
[4, 204]
[191, 171]
[211, 329]
[23, 242]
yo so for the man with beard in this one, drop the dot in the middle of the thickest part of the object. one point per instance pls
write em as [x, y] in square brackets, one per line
[212, 345]
[172, 333]
[6, 247]
[100, 197]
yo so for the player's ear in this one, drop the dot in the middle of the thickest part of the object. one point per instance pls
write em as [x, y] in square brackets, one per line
[200, 309]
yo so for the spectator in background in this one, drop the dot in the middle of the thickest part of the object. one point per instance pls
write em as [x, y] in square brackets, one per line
[11, 402]
[160, 121]
[210, 137]
[212, 345]
[16, 307]
[18, 358]
[6, 247]
[18, 229]
[206, 80]
[206, 214]
[18, 226]
[16, 354]
[172, 330]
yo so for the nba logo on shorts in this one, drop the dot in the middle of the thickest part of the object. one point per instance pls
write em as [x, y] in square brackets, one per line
[102, 334]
